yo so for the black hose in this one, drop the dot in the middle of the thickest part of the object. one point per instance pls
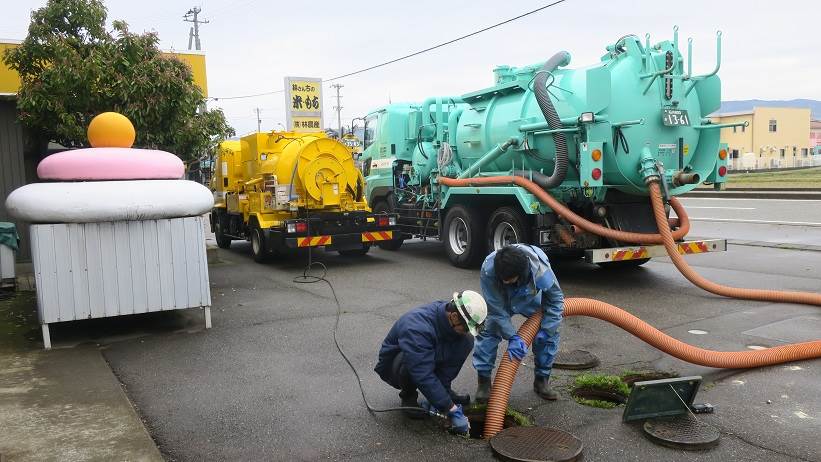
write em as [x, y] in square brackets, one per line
[561, 58]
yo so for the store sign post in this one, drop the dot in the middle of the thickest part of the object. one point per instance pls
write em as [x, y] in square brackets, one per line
[303, 100]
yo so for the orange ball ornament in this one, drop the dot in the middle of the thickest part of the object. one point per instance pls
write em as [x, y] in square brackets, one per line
[111, 130]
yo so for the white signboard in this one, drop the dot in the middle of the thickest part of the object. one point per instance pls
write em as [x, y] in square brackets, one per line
[303, 103]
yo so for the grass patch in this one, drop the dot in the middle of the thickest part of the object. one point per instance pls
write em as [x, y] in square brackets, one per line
[802, 178]
[600, 390]
[521, 420]
[630, 377]
[18, 321]
[596, 403]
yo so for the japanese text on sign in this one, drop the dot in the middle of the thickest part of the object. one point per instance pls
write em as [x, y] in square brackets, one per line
[303, 98]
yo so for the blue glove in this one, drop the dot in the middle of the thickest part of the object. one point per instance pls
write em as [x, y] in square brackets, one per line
[516, 348]
[458, 422]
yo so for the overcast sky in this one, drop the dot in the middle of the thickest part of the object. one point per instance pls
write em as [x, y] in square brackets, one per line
[770, 48]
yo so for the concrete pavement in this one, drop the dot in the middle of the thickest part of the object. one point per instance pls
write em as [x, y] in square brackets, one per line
[61, 405]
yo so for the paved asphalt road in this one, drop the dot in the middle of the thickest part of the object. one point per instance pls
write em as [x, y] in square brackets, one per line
[767, 220]
[265, 383]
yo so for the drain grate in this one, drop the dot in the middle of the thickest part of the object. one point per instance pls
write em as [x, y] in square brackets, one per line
[575, 360]
[535, 444]
[682, 432]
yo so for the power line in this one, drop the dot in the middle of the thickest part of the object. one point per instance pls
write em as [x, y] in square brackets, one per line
[411, 54]
[445, 43]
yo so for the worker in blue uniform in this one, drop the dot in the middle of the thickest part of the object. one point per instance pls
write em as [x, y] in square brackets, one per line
[517, 279]
[425, 350]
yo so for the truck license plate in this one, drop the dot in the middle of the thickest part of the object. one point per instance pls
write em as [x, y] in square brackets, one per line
[675, 117]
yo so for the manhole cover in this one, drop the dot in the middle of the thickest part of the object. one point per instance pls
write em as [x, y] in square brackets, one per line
[534, 444]
[576, 359]
[684, 432]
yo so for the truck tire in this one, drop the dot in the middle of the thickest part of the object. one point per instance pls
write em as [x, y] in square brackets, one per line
[395, 243]
[464, 238]
[507, 225]
[220, 223]
[258, 248]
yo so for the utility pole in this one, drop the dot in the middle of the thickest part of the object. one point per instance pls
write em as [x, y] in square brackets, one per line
[259, 120]
[338, 108]
[194, 32]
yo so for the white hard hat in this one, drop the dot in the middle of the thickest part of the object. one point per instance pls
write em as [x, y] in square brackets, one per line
[473, 309]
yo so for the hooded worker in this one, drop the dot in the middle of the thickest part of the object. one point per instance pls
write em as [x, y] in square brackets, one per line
[425, 350]
[517, 279]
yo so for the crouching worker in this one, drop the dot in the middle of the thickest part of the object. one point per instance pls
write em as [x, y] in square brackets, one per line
[425, 350]
[517, 279]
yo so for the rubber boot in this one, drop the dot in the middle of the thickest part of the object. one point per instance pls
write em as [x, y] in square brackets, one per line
[483, 390]
[408, 398]
[542, 388]
[464, 400]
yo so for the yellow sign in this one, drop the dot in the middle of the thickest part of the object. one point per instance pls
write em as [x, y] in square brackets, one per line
[10, 79]
[303, 104]
[686, 149]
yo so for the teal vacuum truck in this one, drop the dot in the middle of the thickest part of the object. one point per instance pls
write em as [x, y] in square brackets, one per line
[587, 137]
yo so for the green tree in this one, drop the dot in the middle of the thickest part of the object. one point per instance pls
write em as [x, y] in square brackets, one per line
[72, 68]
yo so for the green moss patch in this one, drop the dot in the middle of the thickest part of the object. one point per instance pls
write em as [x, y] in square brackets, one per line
[600, 390]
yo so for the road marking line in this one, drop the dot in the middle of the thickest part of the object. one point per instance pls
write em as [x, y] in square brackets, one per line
[745, 199]
[760, 222]
[722, 208]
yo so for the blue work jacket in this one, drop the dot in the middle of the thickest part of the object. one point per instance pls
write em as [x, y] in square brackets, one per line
[433, 353]
[540, 291]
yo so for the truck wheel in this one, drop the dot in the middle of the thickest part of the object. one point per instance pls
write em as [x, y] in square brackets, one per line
[354, 252]
[261, 254]
[506, 226]
[220, 223]
[464, 237]
[395, 243]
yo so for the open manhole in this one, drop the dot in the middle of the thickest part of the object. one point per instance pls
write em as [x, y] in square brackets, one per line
[681, 432]
[631, 377]
[476, 413]
[534, 444]
[575, 360]
[598, 390]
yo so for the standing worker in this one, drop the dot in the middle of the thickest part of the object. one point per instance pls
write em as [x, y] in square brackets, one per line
[517, 279]
[426, 348]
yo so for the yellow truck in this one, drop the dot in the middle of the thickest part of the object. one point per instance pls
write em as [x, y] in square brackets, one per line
[286, 190]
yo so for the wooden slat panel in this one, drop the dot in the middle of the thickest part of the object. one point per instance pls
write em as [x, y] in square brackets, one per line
[205, 288]
[79, 270]
[94, 264]
[138, 278]
[178, 261]
[122, 250]
[62, 260]
[108, 251]
[152, 270]
[192, 261]
[166, 264]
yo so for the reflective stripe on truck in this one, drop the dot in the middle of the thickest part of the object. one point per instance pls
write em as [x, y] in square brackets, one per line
[650, 251]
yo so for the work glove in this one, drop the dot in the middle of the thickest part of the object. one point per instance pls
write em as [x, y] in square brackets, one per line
[516, 348]
[458, 422]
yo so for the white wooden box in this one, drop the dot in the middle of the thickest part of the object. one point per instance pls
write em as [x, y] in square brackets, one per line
[6, 264]
[96, 270]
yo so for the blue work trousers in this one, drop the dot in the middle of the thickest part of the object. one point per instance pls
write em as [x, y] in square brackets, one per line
[544, 346]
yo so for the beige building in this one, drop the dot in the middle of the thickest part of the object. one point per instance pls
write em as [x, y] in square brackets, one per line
[775, 138]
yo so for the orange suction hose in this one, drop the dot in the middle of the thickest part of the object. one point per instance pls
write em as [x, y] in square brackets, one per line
[778, 296]
[569, 215]
[503, 381]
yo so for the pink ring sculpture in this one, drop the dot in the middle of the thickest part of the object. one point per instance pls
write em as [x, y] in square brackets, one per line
[111, 164]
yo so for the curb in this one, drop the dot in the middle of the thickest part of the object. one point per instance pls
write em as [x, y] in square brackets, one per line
[774, 245]
[756, 194]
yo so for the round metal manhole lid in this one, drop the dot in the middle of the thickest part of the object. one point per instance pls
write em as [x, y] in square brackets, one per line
[535, 444]
[575, 360]
[682, 432]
